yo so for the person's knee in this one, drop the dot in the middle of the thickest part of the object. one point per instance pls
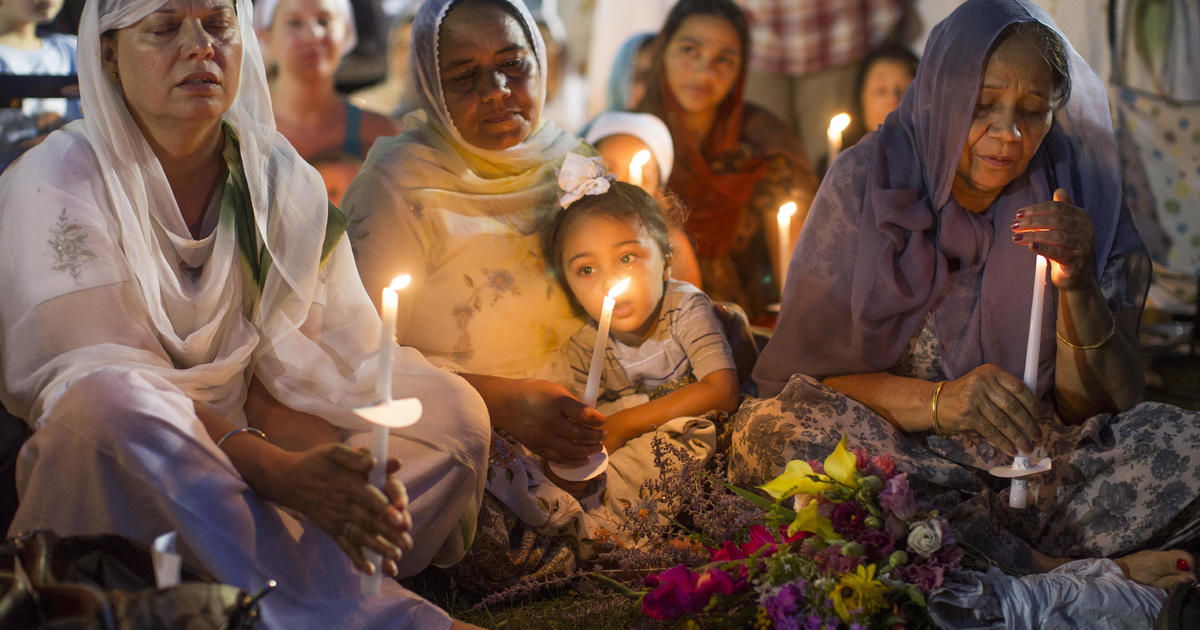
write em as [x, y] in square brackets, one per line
[466, 417]
[115, 404]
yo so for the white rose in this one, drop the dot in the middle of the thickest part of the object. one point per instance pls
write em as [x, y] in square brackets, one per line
[925, 537]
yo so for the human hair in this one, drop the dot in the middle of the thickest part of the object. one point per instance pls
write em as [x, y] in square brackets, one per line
[656, 85]
[888, 51]
[622, 202]
[1052, 48]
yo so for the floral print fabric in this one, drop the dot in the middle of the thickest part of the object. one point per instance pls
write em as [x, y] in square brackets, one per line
[1119, 482]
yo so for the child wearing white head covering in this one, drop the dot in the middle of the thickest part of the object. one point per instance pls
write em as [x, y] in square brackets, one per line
[648, 128]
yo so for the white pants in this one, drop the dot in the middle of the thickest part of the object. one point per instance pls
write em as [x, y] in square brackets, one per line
[123, 452]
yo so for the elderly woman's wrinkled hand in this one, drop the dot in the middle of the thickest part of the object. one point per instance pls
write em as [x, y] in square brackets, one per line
[552, 423]
[1062, 233]
[993, 403]
[328, 485]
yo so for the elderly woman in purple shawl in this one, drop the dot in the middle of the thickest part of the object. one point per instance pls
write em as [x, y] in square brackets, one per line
[907, 304]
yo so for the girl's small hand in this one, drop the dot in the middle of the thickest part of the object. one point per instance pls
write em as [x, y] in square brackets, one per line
[1064, 234]
[621, 427]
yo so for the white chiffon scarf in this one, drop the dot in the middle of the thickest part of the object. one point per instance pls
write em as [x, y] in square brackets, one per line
[123, 281]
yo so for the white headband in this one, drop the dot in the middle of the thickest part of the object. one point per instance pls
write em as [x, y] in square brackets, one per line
[580, 176]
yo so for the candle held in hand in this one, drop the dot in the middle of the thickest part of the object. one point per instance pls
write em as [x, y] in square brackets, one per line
[1033, 346]
[636, 166]
[837, 125]
[597, 366]
[784, 218]
[383, 391]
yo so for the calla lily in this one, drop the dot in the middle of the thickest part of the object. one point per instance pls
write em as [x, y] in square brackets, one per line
[808, 520]
[797, 478]
[840, 465]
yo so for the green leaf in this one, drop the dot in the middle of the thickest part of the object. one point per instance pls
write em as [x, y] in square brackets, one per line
[762, 502]
[616, 586]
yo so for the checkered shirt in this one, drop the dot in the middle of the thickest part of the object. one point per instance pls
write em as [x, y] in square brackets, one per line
[796, 37]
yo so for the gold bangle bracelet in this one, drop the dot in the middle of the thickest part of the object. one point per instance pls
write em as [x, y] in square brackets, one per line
[1112, 330]
[937, 393]
[234, 432]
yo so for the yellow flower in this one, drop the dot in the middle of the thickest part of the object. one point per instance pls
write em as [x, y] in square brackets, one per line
[797, 478]
[858, 592]
[840, 465]
[808, 520]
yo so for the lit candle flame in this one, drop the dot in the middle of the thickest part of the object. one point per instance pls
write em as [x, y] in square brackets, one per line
[399, 282]
[839, 123]
[787, 210]
[619, 288]
[639, 160]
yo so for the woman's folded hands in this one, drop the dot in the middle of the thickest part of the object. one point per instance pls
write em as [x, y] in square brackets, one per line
[328, 484]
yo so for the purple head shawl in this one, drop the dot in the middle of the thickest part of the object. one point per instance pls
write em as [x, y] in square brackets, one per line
[885, 243]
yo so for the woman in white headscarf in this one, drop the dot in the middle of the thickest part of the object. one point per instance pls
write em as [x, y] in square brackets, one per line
[183, 328]
[457, 200]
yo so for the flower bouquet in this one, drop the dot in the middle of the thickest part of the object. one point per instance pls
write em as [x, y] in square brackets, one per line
[844, 544]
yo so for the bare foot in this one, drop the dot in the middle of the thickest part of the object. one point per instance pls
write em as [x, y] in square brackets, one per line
[1163, 569]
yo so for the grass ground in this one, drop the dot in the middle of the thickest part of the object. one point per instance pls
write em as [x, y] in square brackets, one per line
[585, 606]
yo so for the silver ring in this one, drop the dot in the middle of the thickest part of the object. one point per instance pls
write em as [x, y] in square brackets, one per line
[346, 530]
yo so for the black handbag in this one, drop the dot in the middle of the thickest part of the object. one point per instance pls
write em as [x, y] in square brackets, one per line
[106, 582]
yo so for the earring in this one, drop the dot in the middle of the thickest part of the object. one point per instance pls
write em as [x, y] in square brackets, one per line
[116, 75]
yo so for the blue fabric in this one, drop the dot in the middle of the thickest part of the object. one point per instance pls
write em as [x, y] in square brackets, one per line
[352, 144]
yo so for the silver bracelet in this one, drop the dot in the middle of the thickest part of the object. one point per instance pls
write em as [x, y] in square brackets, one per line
[241, 430]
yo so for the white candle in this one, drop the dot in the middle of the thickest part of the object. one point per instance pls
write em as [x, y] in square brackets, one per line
[837, 125]
[636, 165]
[1033, 346]
[383, 391]
[784, 218]
[592, 390]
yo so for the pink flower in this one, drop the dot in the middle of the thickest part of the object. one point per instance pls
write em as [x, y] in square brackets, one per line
[885, 464]
[759, 537]
[784, 538]
[861, 459]
[728, 551]
[673, 594]
[832, 560]
[713, 581]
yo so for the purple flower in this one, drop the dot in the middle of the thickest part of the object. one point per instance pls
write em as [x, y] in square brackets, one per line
[878, 544]
[897, 497]
[925, 576]
[782, 605]
[673, 593]
[813, 622]
[848, 518]
[818, 466]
